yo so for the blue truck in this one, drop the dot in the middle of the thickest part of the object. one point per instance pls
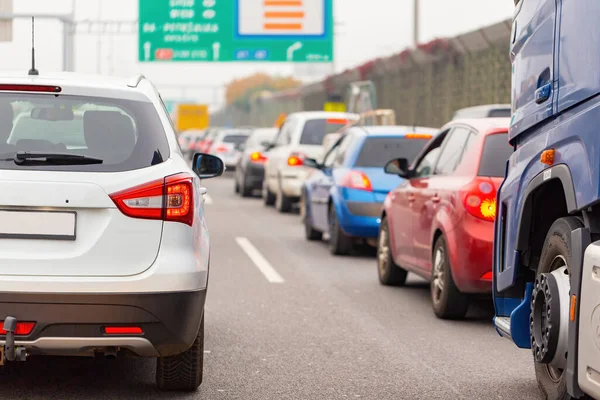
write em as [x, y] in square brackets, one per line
[546, 283]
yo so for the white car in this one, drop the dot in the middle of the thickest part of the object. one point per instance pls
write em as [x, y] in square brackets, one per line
[104, 248]
[227, 146]
[300, 136]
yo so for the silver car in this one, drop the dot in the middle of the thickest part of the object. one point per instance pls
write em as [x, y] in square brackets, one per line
[227, 146]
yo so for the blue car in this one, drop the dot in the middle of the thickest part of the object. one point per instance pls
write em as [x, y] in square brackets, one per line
[345, 193]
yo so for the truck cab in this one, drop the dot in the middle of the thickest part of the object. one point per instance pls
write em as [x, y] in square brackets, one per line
[546, 285]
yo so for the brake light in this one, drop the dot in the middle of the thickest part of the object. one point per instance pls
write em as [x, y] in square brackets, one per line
[487, 276]
[22, 329]
[357, 180]
[221, 149]
[418, 136]
[295, 160]
[123, 330]
[30, 88]
[168, 199]
[480, 199]
[258, 157]
[337, 121]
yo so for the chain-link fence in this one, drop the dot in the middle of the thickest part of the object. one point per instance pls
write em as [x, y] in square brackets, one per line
[424, 86]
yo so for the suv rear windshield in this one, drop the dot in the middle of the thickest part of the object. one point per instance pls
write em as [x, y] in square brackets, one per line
[124, 134]
[377, 151]
[315, 130]
[496, 152]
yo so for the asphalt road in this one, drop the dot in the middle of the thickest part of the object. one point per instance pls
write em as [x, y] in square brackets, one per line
[286, 320]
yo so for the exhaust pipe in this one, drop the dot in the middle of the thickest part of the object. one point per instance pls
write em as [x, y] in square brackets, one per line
[110, 353]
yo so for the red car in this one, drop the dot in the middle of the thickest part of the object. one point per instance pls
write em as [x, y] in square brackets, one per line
[439, 223]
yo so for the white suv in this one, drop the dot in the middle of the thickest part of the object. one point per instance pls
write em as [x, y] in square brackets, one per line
[104, 247]
[300, 136]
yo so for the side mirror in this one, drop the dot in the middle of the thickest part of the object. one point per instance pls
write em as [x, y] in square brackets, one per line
[266, 144]
[207, 166]
[241, 147]
[399, 167]
[311, 163]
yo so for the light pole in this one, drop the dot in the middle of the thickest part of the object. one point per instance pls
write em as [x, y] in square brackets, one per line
[416, 23]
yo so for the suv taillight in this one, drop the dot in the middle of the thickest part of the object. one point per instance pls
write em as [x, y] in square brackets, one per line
[479, 198]
[357, 180]
[168, 199]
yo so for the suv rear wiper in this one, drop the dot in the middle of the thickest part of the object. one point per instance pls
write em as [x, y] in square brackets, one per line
[22, 157]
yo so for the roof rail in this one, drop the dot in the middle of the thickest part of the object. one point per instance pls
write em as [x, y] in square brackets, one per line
[135, 81]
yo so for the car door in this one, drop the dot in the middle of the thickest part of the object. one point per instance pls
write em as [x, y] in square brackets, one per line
[278, 154]
[323, 186]
[400, 214]
[430, 190]
[532, 53]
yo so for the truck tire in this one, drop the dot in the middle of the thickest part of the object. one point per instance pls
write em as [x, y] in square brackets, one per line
[551, 381]
[339, 243]
[390, 274]
[183, 372]
[448, 302]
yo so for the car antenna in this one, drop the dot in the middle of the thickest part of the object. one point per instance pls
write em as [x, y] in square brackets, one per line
[33, 71]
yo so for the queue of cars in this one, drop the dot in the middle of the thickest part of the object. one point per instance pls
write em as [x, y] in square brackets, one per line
[424, 197]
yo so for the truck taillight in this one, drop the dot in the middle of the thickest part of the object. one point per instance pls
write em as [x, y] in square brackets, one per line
[357, 180]
[479, 198]
[168, 199]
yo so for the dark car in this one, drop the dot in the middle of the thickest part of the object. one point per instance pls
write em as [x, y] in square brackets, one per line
[484, 111]
[249, 171]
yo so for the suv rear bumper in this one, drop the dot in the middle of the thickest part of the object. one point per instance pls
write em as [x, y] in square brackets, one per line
[73, 324]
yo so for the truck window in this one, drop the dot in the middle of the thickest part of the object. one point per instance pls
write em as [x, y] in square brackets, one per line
[496, 151]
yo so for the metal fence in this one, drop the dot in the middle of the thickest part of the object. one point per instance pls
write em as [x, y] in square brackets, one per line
[423, 85]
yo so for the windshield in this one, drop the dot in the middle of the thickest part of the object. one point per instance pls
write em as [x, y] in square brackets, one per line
[496, 151]
[377, 151]
[124, 134]
[315, 130]
[235, 139]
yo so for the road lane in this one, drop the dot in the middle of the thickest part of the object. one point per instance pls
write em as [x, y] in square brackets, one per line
[330, 331]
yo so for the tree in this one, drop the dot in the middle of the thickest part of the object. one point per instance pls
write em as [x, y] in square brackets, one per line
[239, 92]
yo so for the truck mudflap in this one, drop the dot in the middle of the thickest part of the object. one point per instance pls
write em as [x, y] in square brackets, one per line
[586, 310]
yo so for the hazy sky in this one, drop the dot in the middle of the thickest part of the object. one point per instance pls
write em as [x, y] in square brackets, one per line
[366, 29]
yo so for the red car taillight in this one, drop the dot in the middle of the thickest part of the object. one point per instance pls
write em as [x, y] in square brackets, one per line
[357, 180]
[258, 157]
[479, 198]
[221, 149]
[169, 199]
[22, 329]
[295, 160]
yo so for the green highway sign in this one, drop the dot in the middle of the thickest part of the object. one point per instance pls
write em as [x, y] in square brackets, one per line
[236, 30]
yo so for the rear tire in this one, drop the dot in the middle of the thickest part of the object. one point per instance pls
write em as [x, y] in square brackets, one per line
[237, 186]
[268, 196]
[339, 243]
[448, 302]
[551, 381]
[183, 372]
[310, 233]
[244, 190]
[390, 274]
[283, 204]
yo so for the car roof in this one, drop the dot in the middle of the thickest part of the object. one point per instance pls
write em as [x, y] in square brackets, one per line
[393, 130]
[480, 110]
[72, 83]
[322, 114]
[483, 125]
